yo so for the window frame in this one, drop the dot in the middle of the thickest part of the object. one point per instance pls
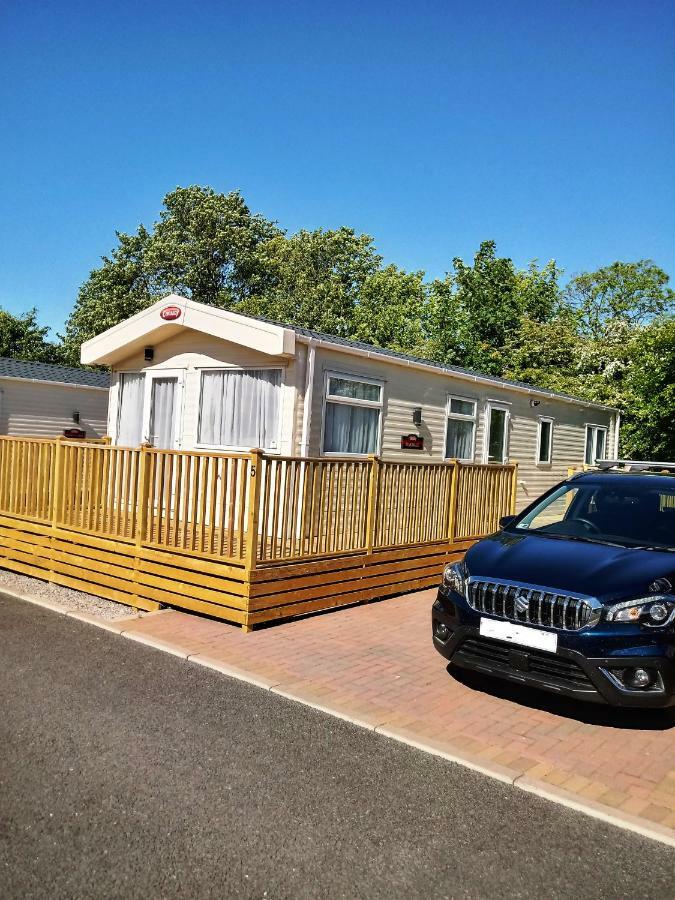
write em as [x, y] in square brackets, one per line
[351, 401]
[596, 428]
[461, 418]
[231, 448]
[537, 458]
[505, 407]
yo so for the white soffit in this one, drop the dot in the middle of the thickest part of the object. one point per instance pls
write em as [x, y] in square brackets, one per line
[169, 316]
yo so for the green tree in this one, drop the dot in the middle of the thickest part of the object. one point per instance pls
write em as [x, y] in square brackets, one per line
[314, 279]
[622, 293]
[648, 431]
[610, 341]
[205, 246]
[392, 311]
[613, 305]
[22, 337]
[545, 354]
[477, 309]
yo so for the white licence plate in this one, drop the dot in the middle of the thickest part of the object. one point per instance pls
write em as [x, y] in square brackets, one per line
[519, 634]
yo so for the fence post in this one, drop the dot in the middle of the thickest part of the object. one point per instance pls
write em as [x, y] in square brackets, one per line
[514, 488]
[56, 499]
[140, 523]
[253, 512]
[452, 519]
[254, 479]
[142, 498]
[56, 493]
[373, 491]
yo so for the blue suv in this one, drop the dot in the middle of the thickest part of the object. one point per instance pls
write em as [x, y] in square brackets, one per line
[575, 595]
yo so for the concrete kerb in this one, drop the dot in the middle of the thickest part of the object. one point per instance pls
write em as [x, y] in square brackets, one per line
[624, 820]
[36, 601]
[500, 773]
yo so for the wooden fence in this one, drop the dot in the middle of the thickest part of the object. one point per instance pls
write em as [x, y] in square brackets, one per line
[244, 536]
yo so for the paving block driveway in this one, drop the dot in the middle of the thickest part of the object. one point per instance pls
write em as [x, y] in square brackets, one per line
[375, 665]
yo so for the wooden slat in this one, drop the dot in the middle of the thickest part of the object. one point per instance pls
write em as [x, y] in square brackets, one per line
[195, 530]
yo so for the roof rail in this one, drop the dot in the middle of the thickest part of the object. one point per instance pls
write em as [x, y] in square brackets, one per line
[635, 465]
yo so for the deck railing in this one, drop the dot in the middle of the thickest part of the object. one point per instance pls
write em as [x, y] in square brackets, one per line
[249, 508]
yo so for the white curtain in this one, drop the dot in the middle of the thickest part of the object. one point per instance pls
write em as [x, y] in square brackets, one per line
[350, 429]
[459, 443]
[240, 408]
[162, 412]
[130, 409]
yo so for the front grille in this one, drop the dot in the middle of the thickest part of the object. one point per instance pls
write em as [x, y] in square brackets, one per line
[484, 652]
[530, 606]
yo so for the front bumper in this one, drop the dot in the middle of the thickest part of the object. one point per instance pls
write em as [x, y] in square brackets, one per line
[569, 672]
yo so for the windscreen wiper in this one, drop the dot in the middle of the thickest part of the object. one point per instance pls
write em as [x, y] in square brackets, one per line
[663, 549]
[590, 540]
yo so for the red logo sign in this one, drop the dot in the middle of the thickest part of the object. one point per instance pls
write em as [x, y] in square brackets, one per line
[169, 313]
[412, 442]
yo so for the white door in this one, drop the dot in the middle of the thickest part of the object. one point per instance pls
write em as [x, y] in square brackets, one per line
[497, 434]
[162, 409]
[162, 412]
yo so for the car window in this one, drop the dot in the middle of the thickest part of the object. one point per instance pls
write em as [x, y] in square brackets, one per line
[640, 514]
[554, 512]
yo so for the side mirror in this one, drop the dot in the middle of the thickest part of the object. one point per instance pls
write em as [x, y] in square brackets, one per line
[505, 521]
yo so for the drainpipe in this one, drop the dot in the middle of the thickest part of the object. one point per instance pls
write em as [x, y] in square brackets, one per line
[617, 425]
[307, 406]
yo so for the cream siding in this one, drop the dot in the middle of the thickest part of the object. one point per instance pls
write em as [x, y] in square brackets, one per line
[189, 352]
[406, 388]
[301, 387]
[43, 409]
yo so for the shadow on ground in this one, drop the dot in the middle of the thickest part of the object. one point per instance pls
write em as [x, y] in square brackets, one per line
[579, 710]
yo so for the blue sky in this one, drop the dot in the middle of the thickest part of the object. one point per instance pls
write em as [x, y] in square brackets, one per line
[549, 127]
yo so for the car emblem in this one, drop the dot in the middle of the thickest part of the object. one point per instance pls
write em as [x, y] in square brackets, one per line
[522, 603]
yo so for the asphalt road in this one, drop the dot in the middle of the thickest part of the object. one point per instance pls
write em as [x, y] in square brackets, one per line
[126, 772]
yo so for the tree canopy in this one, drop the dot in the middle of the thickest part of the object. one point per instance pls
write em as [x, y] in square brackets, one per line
[21, 337]
[607, 336]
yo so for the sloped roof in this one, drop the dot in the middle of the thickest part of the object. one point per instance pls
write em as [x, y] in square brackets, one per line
[420, 361]
[38, 371]
[274, 338]
[170, 316]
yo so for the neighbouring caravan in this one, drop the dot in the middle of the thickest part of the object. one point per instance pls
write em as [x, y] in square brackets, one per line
[44, 400]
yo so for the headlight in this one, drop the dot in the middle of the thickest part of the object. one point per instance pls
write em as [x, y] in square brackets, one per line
[454, 577]
[653, 611]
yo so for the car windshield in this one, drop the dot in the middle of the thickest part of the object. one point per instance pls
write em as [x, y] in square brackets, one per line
[611, 513]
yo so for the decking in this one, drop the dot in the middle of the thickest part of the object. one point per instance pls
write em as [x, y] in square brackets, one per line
[245, 537]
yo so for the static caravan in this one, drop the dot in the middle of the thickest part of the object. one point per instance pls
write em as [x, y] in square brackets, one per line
[44, 400]
[189, 376]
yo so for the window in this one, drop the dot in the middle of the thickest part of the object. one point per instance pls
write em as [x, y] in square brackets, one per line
[545, 442]
[352, 415]
[130, 409]
[497, 434]
[596, 443]
[240, 408]
[461, 428]
[550, 512]
[627, 514]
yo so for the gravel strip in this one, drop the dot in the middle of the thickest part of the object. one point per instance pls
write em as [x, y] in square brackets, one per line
[69, 599]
